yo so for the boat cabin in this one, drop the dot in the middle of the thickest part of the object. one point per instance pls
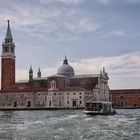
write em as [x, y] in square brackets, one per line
[98, 107]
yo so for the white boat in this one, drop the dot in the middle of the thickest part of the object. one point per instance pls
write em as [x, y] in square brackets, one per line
[99, 108]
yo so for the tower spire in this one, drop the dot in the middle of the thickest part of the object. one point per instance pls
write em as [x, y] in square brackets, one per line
[30, 73]
[103, 69]
[8, 33]
[39, 73]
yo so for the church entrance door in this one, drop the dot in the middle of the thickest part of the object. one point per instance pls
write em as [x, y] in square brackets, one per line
[74, 103]
[122, 103]
[15, 104]
[29, 104]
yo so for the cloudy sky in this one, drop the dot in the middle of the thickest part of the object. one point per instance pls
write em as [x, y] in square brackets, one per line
[92, 33]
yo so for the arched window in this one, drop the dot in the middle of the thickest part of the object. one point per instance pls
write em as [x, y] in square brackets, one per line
[6, 49]
[12, 50]
[53, 84]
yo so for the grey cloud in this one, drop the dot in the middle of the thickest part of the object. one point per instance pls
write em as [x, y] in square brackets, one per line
[108, 2]
[42, 20]
[66, 2]
[117, 65]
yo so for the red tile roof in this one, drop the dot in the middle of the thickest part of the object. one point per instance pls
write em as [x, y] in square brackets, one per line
[125, 91]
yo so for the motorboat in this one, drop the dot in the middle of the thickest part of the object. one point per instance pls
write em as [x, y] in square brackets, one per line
[99, 108]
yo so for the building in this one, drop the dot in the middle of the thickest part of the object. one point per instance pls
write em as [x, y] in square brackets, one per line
[126, 98]
[8, 60]
[61, 90]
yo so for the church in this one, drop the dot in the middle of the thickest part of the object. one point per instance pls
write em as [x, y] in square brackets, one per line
[62, 90]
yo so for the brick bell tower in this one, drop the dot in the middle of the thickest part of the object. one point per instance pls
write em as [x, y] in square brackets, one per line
[8, 60]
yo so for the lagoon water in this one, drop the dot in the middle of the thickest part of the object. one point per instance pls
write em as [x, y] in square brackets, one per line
[69, 125]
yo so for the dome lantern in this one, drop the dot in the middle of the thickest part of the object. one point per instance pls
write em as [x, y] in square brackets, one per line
[65, 61]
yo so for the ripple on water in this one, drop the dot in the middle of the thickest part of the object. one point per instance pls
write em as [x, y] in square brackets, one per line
[69, 125]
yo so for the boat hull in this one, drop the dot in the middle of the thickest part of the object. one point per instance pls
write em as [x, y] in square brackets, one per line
[99, 113]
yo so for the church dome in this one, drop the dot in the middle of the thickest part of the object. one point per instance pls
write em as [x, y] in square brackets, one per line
[65, 69]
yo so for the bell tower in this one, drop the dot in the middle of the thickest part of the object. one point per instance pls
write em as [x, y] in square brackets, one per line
[30, 74]
[8, 60]
[39, 73]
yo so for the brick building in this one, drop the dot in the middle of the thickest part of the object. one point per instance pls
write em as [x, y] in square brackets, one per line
[126, 98]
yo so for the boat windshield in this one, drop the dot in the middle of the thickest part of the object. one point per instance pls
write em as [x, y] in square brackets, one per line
[93, 106]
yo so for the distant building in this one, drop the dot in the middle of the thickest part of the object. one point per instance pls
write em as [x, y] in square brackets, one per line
[126, 98]
[61, 90]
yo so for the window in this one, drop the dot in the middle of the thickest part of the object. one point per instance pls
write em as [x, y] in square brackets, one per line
[67, 93]
[12, 50]
[129, 97]
[36, 84]
[80, 93]
[54, 93]
[59, 93]
[45, 98]
[80, 102]
[21, 96]
[50, 103]
[6, 49]
[74, 93]
[113, 98]
[53, 84]
[80, 97]
[122, 97]
[15, 104]
[67, 102]
[59, 103]
[122, 103]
